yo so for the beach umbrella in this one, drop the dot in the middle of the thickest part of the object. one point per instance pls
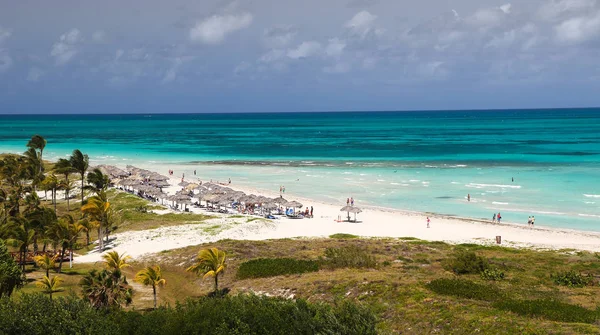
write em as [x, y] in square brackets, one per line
[294, 204]
[351, 209]
[183, 184]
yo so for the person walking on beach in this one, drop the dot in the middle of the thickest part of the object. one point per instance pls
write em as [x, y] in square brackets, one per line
[469, 197]
[280, 189]
[532, 221]
[194, 172]
[347, 201]
[229, 181]
[428, 222]
[494, 218]
[284, 189]
[351, 201]
[311, 211]
[529, 221]
[499, 217]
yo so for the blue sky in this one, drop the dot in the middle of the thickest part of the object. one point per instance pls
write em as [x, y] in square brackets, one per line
[279, 56]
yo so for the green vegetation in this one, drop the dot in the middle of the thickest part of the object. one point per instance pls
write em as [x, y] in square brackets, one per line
[348, 257]
[343, 236]
[492, 274]
[241, 314]
[270, 267]
[464, 289]
[466, 262]
[572, 279]
[551, 310]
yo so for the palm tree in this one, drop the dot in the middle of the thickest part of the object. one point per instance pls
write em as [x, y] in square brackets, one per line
[151, 275]
[50, 183]
[210, 263]
[34, 168]
[106, 288]
[21, 236]
[97, 210]
[64, 167]
[114, 261]
[37, 142]
[80, 163]
[64, 233]
[45, 262]
[98, 181]
[50, 286]
[87, 226]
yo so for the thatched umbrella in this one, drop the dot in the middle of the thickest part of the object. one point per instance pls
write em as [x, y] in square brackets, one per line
[294, 204]
[183, 184]
[351, 209]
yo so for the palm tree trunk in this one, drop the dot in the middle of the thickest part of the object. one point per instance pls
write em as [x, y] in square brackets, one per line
[217, 284]
[48, 272]
[154, 290]
[62, 256]
[23, 259]
[67, 191]
[54, 199]
[82, 176]
[100, 239]
[87, 236]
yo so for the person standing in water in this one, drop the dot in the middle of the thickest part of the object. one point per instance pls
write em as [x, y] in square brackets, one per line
[469, 197]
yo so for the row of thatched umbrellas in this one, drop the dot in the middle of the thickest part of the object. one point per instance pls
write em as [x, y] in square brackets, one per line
[151, 183]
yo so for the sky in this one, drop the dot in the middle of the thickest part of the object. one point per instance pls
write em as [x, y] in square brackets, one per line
[181, 56]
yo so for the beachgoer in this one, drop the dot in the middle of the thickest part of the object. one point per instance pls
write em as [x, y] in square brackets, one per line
[529, 221]
[351, 201]
[428, 222]
[513, 179]
[494, 218]
[311, 211]
[284, 189]
[194, 172]
[182, 179]
[229, 180]
[280, 189]
[468, 197]
[347, 201]
[306, 212]
[499, 217]
[532, 220]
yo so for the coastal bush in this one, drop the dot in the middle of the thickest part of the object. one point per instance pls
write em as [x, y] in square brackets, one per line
[571, 279]
[270, 267]
[466, 262]
[492, 274]
[343, 236]
[241, 314]
[348, 257]
[549, 309]
[464, 289]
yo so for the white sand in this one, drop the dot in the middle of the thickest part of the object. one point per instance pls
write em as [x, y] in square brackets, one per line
[373, 222]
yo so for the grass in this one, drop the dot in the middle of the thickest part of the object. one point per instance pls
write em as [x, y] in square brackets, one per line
[343, 236]
[271, 267]
[401, 291]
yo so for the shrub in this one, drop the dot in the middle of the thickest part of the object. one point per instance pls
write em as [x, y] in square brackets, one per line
[549, 309]
[571, 279]
[466, 262]
[492, 274]
[343, 236]
[464, 289]
[241, 314]
[270, 267]
[348, 257]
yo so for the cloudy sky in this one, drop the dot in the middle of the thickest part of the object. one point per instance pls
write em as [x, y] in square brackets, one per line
[149, 56]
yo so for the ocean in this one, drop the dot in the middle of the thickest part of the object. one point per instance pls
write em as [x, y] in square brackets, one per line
[544, 163]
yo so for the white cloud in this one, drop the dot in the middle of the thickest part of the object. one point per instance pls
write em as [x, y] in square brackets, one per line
[99, 36]
[66, 48]
[4, 34]
[337, 68]
[118, 54]
[578, 29]
[279, 36]
[35, 74]
[6, 61]
[304, 50]
[362, 23]
[335, 48]
[557, 10]
[489, 16]
[503, 41]
[214, 29]
[272, 56]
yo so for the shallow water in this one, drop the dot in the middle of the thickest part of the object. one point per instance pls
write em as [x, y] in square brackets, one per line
[423, 161]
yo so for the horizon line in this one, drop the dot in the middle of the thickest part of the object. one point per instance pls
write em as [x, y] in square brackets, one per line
[320, 112]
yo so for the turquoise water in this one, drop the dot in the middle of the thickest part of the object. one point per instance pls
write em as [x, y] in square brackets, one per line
[422, 161]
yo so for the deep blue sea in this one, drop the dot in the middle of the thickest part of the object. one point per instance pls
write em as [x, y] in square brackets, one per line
[423, 161]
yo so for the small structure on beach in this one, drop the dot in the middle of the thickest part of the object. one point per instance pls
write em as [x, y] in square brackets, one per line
[351, 209]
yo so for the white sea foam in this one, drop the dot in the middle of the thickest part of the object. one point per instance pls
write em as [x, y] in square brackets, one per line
[380, 179]
[590, 202]
[499, 203]
[592, 195]
[494, 185]
[414, 180]
[394, 184]
[454, 183]
[589, 215]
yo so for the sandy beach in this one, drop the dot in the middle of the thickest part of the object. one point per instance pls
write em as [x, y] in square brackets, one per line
[372, 222]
